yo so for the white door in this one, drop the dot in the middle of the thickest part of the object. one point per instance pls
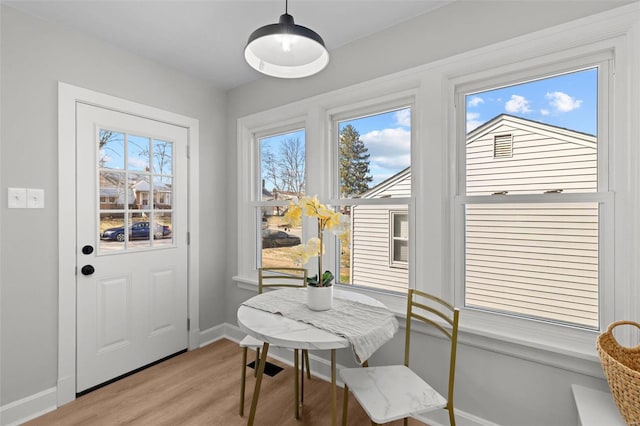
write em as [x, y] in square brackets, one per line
[131, 243]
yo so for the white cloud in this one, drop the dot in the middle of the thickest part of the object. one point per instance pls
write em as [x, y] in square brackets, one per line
[389, 147]
[517, 104]
[403, 117]
[473, 121]
[545, 112]
[475, 101]
[562, 102]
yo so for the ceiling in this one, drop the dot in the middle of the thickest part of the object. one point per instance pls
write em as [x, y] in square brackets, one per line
[206, 38]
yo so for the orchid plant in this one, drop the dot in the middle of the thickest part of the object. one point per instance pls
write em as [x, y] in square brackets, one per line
[328, 220]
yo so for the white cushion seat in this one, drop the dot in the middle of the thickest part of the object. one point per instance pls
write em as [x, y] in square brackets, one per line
[250, 342]
[391, 392]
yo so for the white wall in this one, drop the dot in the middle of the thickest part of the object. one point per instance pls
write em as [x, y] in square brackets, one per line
[496, 381]
[35, 56]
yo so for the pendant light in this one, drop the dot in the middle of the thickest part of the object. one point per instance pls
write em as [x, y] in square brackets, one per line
[286, 50]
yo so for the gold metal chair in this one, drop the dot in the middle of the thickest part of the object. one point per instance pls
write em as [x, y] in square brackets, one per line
[276, 278]
[395, 392]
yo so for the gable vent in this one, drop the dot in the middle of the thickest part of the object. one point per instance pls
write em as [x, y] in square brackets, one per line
[502, 146]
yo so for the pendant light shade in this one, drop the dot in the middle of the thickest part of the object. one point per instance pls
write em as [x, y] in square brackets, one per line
[286, 50]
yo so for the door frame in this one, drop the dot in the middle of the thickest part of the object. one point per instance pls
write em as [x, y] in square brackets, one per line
[68, 97]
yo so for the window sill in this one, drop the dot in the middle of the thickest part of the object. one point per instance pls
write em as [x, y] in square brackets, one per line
[562, 347]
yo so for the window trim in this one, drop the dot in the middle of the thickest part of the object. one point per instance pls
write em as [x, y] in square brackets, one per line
[371, 107]
[559, 336]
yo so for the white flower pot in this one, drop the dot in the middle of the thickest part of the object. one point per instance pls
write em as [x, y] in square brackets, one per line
[319, 298]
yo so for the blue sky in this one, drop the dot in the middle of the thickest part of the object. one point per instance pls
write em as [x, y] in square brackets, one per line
[387, 137]
[568, 100]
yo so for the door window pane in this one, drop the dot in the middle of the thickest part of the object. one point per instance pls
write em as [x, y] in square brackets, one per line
[162, 157]
[111, 149]
[163, 231]
[112, 232]
[138, 153]
[113, 192]
[163, 193]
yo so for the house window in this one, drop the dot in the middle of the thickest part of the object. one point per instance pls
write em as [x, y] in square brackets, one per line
[282, 178]
[502, 146]
[373, 180]
[533, 196]
[399, 244]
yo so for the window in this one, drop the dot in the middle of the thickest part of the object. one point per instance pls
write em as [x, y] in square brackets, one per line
[399, 239]
[282, 178]
[374, 185]
[534, 196]
[131, 167]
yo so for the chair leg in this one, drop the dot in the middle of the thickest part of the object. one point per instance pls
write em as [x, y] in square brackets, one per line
[305, 353]
[301, 381]
[452, 418]
[296, 385]
[255, 365]
[243, 380]
[345, 404]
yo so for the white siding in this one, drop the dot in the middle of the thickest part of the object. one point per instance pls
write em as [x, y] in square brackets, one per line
[541, 161]
[370, 249]
[538, 260]
[534, 260]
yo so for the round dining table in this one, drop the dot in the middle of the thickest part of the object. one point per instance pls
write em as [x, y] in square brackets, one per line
[278, 330]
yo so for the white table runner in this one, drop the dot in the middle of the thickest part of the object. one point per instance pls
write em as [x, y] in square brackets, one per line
[366, 327]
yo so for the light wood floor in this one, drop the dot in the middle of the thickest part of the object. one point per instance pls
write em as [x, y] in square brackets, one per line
[202, 387]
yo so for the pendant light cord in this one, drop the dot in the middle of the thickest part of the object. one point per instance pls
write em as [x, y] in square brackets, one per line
[286, 6]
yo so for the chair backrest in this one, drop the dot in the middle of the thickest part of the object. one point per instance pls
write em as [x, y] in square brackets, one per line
[281, 277]
[439, 314]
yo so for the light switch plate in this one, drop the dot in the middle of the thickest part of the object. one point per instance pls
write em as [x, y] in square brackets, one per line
[35, 198]
[17, 198]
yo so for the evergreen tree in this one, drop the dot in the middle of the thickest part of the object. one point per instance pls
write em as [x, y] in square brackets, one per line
[354, 163]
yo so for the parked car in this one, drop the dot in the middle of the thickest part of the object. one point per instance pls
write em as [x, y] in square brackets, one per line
[137, 231]
[272, 239]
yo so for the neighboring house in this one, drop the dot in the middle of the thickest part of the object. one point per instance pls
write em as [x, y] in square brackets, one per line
[275, 195]
[506, 155]
[112, 193]
[379, 236]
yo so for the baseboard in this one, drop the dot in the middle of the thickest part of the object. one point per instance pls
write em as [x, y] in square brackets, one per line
[441, 418]
[28, 408]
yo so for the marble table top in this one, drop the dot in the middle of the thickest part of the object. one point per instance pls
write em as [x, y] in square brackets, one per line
[280, 331]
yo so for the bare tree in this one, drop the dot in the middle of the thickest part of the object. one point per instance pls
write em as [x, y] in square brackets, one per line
[105, 140]
[292, 165]
[162, 157]
[271, 168]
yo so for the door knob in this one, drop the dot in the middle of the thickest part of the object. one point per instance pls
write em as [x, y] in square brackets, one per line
[87, 270]
[87, 249]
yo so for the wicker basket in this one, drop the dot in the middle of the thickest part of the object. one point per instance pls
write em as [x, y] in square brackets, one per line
[621, 367]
